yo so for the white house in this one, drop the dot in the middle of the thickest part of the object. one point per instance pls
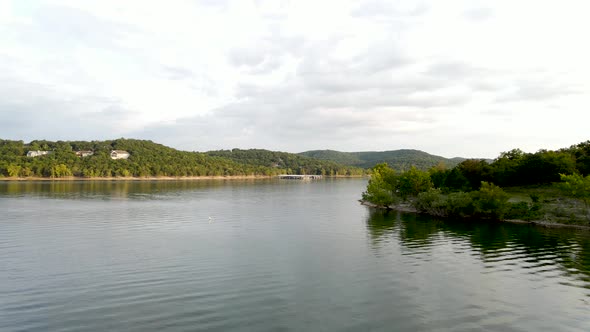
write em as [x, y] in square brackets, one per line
[119, 154]
[84, 153]
[37, 153]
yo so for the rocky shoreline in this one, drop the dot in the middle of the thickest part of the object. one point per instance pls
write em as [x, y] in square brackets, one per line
[407, 208]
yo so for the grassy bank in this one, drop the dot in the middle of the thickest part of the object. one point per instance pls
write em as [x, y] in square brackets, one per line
[550, 205]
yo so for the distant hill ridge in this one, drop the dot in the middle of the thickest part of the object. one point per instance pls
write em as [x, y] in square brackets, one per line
[402, 159]
[289, 162]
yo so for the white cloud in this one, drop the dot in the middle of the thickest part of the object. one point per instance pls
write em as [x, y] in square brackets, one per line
[469, 78]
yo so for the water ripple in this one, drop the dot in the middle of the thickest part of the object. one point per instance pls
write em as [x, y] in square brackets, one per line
[277, 257]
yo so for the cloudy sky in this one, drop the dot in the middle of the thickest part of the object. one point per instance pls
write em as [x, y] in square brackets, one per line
[453, 78]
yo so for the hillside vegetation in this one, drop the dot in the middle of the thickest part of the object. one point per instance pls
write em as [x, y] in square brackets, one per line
[290, 162]
[396, 159]
[148, 159]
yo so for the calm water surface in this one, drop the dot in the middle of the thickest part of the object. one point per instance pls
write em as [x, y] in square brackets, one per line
[273, 255]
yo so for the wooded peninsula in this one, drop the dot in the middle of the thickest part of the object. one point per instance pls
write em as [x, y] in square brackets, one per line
[549, 186]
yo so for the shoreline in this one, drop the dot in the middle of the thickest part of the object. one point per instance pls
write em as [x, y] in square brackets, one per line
[131, 178]
[406, 208]
[157, 178]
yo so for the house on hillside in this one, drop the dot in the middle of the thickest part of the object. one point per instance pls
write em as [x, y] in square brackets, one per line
[119, 154]
[37, 153]
[84, 153]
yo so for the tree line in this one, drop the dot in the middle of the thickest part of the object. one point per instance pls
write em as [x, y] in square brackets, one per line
[515, 168]
[473, 188]
[147, 159]
[290, 162]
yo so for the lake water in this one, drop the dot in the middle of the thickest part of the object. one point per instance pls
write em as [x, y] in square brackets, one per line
[273, 255]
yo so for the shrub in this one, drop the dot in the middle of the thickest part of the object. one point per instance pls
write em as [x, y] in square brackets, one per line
[490, 201]
[432, 202]
[459, 204]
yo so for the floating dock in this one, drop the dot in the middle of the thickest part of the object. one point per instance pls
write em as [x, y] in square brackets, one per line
[299, 177]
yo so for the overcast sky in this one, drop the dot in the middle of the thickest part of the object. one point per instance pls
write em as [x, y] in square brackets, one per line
[452, 78]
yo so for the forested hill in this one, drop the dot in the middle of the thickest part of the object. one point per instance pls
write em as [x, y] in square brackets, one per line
[396, 159]
[291, 162]
[145, 159]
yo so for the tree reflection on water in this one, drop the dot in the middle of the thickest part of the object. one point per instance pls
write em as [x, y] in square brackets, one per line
[539, 247]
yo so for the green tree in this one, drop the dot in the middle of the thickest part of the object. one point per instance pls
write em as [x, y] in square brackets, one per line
[577, 186]
[413, 182]
[438, 176]
[581, 153]
[60, 170]
[455, 180]
[475, 171]
[505, 168]
[13, 170]
[490, 201]
[382, 186]
[545, 167]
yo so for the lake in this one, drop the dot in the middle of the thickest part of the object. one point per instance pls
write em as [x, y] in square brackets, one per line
[273, 255]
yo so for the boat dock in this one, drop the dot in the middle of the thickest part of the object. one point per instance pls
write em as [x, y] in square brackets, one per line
[299, 177]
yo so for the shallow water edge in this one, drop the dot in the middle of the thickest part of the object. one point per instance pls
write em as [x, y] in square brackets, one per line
[407, 208]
